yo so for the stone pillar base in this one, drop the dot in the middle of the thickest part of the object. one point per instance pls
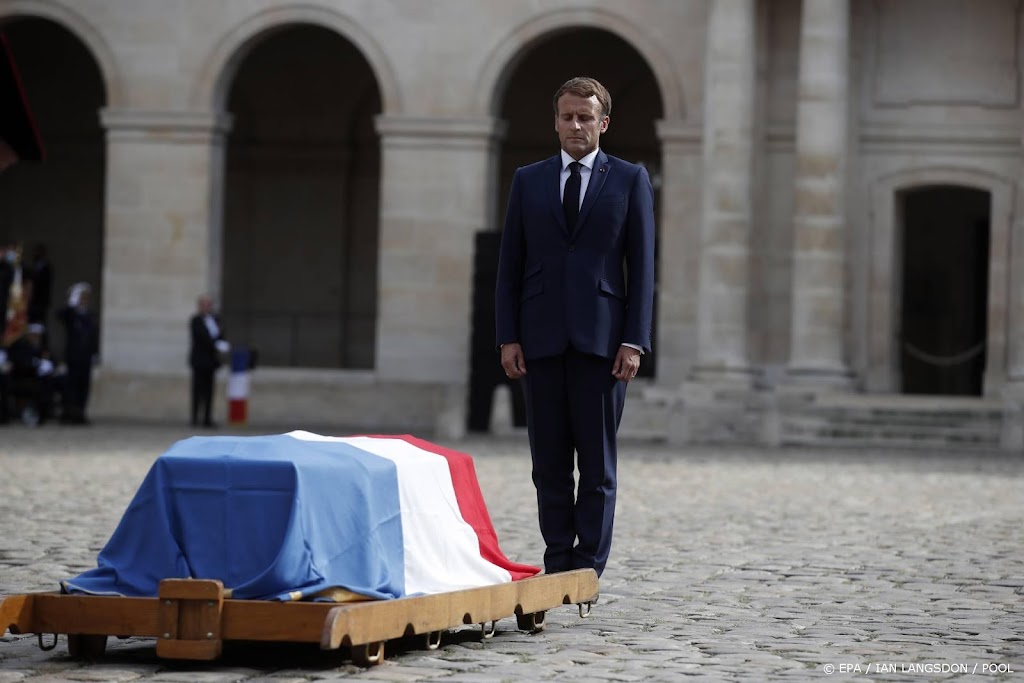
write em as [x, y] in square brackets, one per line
[282, 399]
[738, 376]
[1011, 437]
[836, 378]
[723, 412]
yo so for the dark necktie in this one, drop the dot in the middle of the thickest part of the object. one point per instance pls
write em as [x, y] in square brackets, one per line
[571, 195]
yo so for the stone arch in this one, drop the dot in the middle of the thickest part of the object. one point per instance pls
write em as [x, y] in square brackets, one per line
[218, 69]
[303, 160]
[501, 62]
[884, 254]
[82, 29]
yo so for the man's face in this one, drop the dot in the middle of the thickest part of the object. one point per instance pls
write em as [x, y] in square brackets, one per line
[579, 124]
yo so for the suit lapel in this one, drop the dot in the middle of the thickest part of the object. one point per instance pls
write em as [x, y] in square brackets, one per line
[598, 175]
[552, 181]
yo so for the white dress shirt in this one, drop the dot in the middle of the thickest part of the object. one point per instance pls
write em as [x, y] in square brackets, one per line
[586, 168]
[211, 326]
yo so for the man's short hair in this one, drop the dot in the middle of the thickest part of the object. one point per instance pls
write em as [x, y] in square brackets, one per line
[585, 86]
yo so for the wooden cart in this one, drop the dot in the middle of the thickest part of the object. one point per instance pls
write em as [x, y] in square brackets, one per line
[191, 618]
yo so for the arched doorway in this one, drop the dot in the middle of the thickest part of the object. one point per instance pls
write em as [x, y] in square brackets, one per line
[59, 203]
[526, 106]
[301, 201]
[946, 237]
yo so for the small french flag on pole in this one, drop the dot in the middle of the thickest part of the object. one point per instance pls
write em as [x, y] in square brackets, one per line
[238, 385]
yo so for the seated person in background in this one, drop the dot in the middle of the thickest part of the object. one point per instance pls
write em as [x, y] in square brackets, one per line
[31, 375]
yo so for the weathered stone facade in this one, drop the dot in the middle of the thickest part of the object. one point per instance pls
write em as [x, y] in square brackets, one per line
[337, 223]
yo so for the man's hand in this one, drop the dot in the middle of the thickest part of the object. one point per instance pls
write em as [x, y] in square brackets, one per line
[512, 360]
[627, 363]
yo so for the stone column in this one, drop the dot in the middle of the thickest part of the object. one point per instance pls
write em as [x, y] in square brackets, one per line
[162, 238]
[1012, 391]
[679, 232]
[730, 96]
[437, 191]
[1015, 295]
[819, 269]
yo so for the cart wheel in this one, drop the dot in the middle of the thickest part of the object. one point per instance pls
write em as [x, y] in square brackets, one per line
[433, 640]
[86, 646]
[584, 609]
[531, 622]
[488, 629]
[368, 654]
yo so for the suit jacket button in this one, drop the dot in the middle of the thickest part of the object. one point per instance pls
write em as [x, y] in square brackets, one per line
[572, 247]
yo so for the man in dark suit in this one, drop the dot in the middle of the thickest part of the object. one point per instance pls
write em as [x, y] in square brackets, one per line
[81, 345]
[204, 358]
[574, 301]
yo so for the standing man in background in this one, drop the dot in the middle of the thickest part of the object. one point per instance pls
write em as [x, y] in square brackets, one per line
[204, 358]
[81, 334]
[574, 304]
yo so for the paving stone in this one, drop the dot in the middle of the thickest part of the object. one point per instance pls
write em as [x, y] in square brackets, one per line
[736, 565]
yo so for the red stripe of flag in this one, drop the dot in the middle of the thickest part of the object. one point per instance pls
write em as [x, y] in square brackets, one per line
[471, 504]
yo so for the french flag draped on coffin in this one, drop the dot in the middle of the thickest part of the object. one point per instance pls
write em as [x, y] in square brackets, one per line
[303, 516]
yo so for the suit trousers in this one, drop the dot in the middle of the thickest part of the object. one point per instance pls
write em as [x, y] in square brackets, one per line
[76, 390]
[202, 394]
[574, 406]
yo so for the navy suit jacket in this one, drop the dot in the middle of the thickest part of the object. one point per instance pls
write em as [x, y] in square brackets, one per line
[203, 354]
[589, 285]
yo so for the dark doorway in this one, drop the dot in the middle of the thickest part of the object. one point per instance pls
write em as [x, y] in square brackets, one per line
[487, 374]
[945, 290]
[302, 202]
[59, 203]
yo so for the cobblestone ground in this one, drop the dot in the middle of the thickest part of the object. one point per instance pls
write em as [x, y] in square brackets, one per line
[728, 565]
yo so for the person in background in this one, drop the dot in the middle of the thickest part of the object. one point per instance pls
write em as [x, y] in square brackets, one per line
[5, 369]
[204, 358]
[8, 263]
[31, 375]
[19, 141]
[8, 255]
[81, 346]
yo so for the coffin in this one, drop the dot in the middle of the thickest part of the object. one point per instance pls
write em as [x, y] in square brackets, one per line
[300, 516]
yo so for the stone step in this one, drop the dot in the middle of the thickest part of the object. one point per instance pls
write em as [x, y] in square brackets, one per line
[897, 416]
[922, 433]
[853, 421]
[890, 441]
[896, 422]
